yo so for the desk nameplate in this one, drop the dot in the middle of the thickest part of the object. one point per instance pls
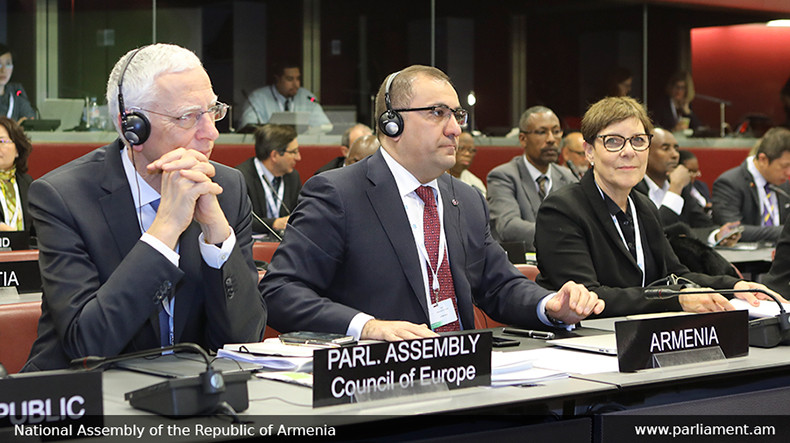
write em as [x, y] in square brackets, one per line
[643, 343]
[342, 375]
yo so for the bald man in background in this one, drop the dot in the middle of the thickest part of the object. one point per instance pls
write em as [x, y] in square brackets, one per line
[361, 148]
[573, 154]
[348, 139]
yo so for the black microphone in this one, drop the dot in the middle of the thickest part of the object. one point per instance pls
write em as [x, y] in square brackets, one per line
[312, 99]
[779, 190]
[247, 96]
[274, 193]
[204, 394]
[271, 230]
[763, 332]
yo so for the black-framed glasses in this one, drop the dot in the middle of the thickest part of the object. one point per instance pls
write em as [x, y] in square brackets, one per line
[294, 152]
[442, 112]
[557, 133]
[616, 143]
[190, 119]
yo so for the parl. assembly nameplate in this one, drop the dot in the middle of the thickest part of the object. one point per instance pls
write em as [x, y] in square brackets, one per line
[681, 339]
[382, 370]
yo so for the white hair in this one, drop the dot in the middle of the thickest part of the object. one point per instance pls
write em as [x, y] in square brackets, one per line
[147, 64]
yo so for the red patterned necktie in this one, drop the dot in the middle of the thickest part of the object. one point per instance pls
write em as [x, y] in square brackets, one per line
[431, 232]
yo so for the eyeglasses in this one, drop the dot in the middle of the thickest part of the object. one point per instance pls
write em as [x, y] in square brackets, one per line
[190, 119]
[4, 141]
[294, 152]
[442, 112]
[557, 133]
[615, 143]
[7, 65]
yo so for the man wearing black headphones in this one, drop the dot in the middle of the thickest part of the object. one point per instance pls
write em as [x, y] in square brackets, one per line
[372, 252]
[144, 242]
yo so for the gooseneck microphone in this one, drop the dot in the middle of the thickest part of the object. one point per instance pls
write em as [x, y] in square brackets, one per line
[779, 191]
[274, 194]
[205, 394]
[266, 225]
[763, 332]
[257, 114]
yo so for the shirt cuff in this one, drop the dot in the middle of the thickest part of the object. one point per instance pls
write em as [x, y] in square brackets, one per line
[357, 323]
[217, 256]
[163, 249]
[712, 237]
[545, 318]
[673, 202]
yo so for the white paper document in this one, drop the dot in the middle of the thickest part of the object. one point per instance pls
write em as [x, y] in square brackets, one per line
[767, 308]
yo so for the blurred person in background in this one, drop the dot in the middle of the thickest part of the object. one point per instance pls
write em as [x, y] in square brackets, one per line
[15, 149]
[14, 103]
[463, 160]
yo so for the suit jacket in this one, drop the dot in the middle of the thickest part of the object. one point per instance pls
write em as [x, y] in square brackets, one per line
[735, 198]
[514, 199]
[349, 249]
[661, 113]
[692, 214]
[335, 163]
[23, 182]
[260, 196]
[577, 240]
[103, 286]
[778, 278]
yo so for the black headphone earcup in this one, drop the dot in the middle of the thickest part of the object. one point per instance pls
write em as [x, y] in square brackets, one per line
[136, 128]
[391, 123]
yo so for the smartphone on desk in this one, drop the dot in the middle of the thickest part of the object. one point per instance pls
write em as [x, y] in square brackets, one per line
[309, 338]
[502, 342]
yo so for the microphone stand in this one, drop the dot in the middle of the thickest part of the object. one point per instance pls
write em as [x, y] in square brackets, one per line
[722, 103]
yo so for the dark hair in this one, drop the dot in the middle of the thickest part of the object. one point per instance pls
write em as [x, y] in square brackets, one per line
[272, 137]
[679, 76]
[22, 143]
[616, 76]
[612, 110]
[4, 49]
[279, 67]
[685, 155]
[774, 143]
[401, 93]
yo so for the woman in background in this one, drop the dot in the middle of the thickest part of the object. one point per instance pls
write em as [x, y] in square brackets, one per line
[15, 149]
[603, 234]
[14, 103]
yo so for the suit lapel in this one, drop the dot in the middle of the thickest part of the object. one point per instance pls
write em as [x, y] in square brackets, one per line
[528, 185]
[382, 192]
[604, 218]
[453, 227]
[117, 204]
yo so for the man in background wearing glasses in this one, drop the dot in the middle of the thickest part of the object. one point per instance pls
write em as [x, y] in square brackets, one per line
[394, 248]
[272, 182]
[517, 188]
[144, 242]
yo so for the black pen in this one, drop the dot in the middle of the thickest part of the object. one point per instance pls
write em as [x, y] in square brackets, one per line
[540, 335]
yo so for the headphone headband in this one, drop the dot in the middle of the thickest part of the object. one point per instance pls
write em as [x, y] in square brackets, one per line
[135, 127]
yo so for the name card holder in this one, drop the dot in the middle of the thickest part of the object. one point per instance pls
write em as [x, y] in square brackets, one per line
[679, 340]
[379, 371]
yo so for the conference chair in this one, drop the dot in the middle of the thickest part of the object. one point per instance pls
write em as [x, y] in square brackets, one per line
[482, 320]
[18, 330]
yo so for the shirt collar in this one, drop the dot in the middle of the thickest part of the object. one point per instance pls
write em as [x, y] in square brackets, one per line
[140, 188]
[533, 171]
[759, 180]
[262, 169]
[404, 180]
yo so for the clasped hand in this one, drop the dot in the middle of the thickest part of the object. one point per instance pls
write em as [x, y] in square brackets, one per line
[187, 194]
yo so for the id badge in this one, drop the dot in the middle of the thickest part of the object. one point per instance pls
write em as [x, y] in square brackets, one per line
[442, 313]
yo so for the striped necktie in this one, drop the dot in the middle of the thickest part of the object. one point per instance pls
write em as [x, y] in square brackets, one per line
[768, 207]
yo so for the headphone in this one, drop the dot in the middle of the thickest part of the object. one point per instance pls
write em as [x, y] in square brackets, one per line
[135, 126]
[390, 121]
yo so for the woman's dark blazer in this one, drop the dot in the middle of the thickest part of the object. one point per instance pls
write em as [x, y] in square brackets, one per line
[23, 182]
[575, 239]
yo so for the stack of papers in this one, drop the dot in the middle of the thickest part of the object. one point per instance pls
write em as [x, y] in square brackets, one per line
[271, 354]
[517, 368]
[297, 378]
[767, 308]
